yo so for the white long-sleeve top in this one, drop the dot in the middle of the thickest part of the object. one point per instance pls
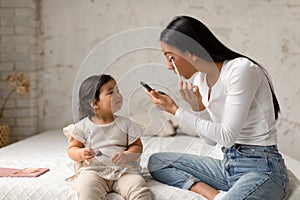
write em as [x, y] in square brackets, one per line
[240, 108]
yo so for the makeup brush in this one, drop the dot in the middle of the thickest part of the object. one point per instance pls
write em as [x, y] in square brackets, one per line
[89, 140]
[176, 70]
[99, 153]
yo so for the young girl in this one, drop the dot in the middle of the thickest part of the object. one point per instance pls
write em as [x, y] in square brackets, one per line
[105, 146]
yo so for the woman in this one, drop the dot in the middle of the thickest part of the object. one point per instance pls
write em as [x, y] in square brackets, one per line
[234, 105]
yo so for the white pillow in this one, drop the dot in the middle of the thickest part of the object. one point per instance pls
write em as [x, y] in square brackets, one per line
[141, 110]
[294, 186]
[180, 127]
[154, 123]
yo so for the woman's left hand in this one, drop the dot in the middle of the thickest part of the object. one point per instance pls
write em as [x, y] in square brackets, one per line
[191, 95]
[164, 101]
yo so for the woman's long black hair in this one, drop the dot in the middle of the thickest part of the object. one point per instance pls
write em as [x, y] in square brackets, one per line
[89, 92]
[189, 34]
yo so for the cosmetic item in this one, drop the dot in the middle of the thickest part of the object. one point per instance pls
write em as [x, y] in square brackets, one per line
[89, 140]
[99, 153]
[176, 70]
[26, 172]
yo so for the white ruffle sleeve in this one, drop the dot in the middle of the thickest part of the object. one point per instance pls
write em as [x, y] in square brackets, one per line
[72, 131]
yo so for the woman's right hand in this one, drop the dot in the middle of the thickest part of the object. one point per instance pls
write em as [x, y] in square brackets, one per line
[191, 95]
[164, 101]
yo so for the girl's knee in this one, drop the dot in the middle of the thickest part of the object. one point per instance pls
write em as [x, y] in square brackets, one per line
[133, 181]
[132, 186]
[87, 180]
[90, 186]
[138, 191]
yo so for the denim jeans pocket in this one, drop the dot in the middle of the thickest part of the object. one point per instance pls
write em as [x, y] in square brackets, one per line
[248, 159]
[276, 164]
[250, 152]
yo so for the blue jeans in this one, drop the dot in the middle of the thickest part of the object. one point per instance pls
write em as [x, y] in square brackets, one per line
[246, 172]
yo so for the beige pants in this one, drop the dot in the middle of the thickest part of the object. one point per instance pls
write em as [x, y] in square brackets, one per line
[90, 186]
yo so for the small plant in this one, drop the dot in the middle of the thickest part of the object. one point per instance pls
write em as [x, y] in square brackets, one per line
[18, 83]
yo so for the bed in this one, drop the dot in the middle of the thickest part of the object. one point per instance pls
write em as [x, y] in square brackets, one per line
[48, 149]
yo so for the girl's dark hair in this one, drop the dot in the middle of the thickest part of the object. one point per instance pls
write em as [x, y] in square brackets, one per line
[189, 34]
[89, 92]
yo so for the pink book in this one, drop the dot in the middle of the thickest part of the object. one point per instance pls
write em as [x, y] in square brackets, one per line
[27, 172]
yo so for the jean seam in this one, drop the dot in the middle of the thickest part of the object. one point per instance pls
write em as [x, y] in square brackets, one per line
[280, 168]
[256, 186]
[206, 174]
[196, 169]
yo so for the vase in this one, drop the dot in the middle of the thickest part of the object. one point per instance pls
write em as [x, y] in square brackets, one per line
[4, 135]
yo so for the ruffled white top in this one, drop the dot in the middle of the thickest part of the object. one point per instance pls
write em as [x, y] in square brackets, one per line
[109, 139]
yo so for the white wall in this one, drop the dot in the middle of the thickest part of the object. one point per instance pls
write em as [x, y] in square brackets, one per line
[18, 47]
[266, 30]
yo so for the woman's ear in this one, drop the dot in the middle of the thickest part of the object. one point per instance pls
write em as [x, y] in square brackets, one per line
[191, 56]
[194, 58]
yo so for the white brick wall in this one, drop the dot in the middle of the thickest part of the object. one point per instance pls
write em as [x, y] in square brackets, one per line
[18, 47]
[268, 32]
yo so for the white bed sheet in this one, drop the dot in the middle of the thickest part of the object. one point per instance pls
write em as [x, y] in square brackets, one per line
[48, 149]
[44, 150]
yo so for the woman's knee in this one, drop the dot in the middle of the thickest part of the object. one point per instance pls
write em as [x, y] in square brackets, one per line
[153, 161]
[158, 161]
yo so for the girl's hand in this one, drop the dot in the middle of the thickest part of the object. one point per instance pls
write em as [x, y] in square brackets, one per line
[120, 158]
[87, 154]
[191, 94]
[163, 101]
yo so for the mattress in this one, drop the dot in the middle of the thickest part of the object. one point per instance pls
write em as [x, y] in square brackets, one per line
[48, 149]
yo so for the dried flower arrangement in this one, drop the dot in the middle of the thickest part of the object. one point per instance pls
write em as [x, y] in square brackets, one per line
[18, 83]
